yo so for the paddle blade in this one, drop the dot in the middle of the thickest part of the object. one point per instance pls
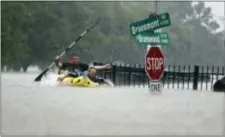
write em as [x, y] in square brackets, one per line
[38, 78]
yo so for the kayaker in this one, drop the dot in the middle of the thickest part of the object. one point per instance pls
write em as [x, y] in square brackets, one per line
[90, 73]
[75, 65]
[75, 68]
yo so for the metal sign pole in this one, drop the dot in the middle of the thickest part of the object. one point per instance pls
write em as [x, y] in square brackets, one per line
[154, 9]
[153, 85]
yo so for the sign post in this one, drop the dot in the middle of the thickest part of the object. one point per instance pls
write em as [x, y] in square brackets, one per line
[154, 68]
[148, 32]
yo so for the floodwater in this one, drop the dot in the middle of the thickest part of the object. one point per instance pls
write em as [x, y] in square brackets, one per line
[46, 108]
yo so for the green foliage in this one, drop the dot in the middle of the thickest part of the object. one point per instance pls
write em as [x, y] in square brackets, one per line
[34, 32]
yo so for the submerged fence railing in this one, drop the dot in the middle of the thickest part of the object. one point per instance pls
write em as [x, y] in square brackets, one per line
[175, 76]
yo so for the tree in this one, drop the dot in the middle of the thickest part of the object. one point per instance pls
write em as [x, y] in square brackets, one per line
[34, 32]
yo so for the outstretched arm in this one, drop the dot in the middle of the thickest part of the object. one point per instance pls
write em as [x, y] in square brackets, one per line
[102, 67]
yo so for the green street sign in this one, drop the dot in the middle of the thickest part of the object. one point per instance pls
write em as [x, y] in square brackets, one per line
[150, 24]
[153, 38]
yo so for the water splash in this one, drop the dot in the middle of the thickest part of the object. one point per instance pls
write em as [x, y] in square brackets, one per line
[49, 80]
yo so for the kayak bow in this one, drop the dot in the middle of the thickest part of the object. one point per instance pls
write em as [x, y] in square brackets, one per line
[79, 82]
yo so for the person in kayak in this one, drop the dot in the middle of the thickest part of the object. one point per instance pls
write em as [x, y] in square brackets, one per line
[75, 65]
[75, 68]
[90, 73]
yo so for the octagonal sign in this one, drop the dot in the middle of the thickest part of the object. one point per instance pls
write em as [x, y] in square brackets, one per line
[154, 63]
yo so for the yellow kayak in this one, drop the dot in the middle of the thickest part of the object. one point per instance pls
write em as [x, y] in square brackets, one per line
[79, 82]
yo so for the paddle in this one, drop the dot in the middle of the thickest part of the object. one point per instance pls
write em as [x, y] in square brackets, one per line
[38, 78]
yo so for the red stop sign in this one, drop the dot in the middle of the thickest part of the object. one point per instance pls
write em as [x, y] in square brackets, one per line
[154, 63]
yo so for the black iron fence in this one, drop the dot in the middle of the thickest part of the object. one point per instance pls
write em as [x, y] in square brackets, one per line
[175, 76]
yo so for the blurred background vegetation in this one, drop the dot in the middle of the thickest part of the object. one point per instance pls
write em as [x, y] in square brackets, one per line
[33, 33]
